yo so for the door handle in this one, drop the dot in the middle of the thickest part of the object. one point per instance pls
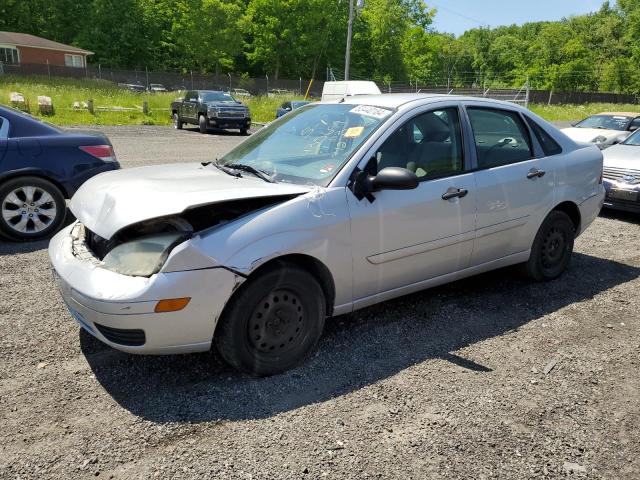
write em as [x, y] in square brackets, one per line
[535, 173]
[453, 192]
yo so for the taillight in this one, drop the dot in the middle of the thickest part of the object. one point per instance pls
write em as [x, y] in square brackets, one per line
[103, 152]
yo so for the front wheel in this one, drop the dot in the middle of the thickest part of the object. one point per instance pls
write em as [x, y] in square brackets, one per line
[273, 322]
[203, 124]
[552, 248]
[32, 209]
[177, 123]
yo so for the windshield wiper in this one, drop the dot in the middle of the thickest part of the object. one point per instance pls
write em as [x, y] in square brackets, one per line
[225, 169]
[248, 168]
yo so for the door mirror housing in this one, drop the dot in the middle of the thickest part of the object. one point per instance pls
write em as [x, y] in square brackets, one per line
[394, 178]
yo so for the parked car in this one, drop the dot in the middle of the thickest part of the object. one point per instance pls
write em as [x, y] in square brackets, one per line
[604, 129]
[211, 109]
[336, 208]
[41, 166]
[279, 92]
[157, 88]
[241, 92]
[287, 107]
[133, 85]
[622, 174]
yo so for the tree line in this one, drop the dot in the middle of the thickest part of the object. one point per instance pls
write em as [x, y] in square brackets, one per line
[393, 41]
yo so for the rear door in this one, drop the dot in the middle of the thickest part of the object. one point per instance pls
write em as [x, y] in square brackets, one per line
[515, 183]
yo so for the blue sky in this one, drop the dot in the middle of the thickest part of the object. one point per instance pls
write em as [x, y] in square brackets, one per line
[456, 16]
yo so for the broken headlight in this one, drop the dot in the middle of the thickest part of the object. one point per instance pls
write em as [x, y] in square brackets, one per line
[143, 256]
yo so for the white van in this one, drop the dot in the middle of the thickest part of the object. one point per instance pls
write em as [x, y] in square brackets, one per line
[339, 90]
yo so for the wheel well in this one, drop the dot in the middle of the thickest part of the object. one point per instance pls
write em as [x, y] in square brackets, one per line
[572, 210]
[13, 176]
[312, 265]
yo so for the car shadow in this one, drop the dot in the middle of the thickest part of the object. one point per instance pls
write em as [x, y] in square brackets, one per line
[8, 247]
[356, 349]
[621, 215]
[218, 131]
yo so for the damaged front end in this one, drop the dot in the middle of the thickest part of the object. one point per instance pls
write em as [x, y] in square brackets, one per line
[141, 249]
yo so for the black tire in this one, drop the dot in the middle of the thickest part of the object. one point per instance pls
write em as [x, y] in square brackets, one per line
[552, 248]
[40, 220]
[203, 124]
[177, 123]
[273, 322]
[244, 131]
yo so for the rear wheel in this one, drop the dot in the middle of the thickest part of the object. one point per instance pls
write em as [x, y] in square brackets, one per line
[31, 208]
[203, 124]
[244, 131]
[552, 248]
[177, 123]
[273, 322]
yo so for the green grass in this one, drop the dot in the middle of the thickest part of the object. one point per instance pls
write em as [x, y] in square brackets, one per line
[64, 92]
[555, 113]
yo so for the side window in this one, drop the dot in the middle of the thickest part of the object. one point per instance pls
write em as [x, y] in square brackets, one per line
[500, 136]
[635, 124]
[4, 129]
[549, 145]
[430, 145]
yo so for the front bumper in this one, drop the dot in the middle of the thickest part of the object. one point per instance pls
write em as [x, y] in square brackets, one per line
[230, 122]
[119, 310]
[622, 196]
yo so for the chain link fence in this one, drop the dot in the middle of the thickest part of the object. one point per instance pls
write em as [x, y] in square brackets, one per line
[142, 79]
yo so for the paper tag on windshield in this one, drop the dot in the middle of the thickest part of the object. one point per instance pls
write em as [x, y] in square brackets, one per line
[353, 132]
[370, 111]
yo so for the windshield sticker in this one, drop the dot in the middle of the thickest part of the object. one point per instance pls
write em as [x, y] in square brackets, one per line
[353, 132]
[328, 168]
[370, 111]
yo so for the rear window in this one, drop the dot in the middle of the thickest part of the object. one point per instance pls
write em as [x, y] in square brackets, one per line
[549, 145]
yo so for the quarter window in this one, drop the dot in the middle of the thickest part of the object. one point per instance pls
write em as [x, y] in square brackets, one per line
[549, 145]
[430, 145]
[500, 137]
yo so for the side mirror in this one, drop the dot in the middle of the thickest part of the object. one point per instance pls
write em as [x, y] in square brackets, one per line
[633, 128]
[394, 178]
[574, 124]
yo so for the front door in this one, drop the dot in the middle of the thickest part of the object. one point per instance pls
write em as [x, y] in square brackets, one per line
[515, 186]
[405, 237]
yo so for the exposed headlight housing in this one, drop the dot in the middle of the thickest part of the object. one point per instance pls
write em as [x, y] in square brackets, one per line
[213, 111]
[600, 142]
[144, 256]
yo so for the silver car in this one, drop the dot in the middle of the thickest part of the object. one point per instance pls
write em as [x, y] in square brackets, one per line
[332, 208]
[622, 175]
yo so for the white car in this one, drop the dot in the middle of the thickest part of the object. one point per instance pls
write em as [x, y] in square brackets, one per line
[332, 208]
[604, 129]
[622, 175]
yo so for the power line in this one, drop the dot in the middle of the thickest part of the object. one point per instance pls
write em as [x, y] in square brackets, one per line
[471, 19]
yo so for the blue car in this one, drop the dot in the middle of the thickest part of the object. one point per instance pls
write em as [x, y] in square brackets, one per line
[40, 167]
[287, 107]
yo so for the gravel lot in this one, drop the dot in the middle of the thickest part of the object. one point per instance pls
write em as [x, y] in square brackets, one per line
[490, 377]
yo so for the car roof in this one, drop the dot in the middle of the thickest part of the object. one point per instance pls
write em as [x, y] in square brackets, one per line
[396, 100]
[620, 114]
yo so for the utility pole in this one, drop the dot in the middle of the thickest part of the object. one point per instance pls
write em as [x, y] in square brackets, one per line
[347, 56]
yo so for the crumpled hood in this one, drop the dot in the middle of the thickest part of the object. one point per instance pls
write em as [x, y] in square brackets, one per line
[589, 134]
[622, 156]
[113, 200]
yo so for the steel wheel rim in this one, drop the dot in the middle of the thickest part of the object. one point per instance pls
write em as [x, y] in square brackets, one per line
[29, 209]
[277, 323]
[553, 248]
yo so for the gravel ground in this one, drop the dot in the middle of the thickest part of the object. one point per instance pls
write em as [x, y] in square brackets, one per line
[490, 377]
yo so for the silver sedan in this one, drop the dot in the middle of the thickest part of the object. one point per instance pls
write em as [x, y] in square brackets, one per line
[334, 207]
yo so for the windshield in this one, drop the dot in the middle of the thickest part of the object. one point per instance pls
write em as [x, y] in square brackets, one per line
[311, 144]
[216, 97]
[609, 122]
[633, 139]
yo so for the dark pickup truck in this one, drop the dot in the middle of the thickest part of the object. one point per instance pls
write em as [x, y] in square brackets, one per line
[210, 109]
